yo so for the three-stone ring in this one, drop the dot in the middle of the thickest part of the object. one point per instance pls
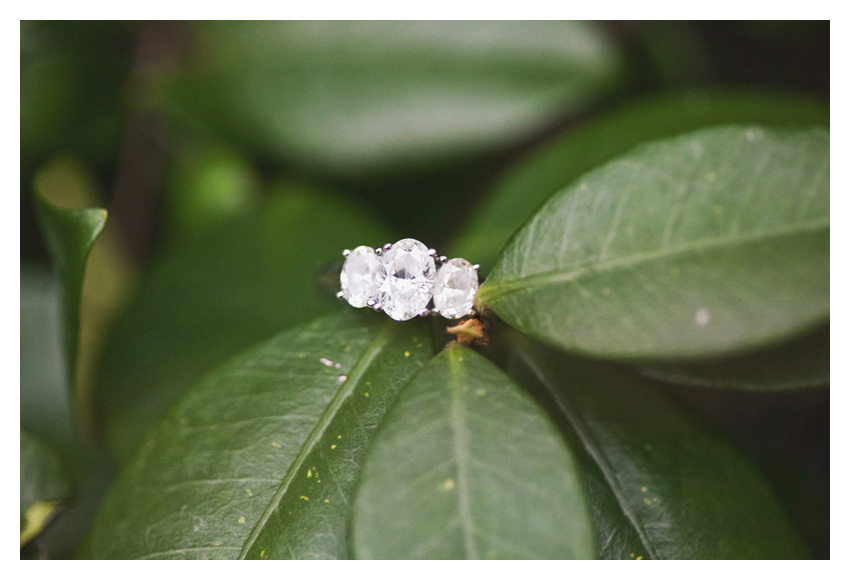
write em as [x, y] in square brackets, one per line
[406, 279]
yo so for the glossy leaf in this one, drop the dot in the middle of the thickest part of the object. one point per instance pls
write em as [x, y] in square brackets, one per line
[696, 246]
[70, 234]
[208, 299]
[384, 96]
[561, 161]
[44, 486]
[258, 460]
[661, 485]
[796, 364]
[466, 465]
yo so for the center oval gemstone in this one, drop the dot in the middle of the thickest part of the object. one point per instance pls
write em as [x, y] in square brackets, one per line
[406, 281]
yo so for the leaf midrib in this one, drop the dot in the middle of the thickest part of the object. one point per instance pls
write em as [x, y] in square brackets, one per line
[574, 416]
[497, 290]
[373, 349]
[459, 431]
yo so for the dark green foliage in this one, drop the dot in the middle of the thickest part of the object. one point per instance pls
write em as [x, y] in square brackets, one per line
[642, 252]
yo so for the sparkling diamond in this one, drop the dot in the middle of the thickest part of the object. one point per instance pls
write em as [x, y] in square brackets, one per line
[455, 288]
[406, 281]
[359, 277]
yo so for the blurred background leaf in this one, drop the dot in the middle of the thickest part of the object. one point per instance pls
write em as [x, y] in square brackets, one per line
[382, 97]
[798, 363]
[70, 234]
[44, 486]
[47, 414]
[205, 299]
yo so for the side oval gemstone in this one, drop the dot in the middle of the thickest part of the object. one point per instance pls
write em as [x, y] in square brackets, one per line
[359, 277]
[456, 285]
[406, 283]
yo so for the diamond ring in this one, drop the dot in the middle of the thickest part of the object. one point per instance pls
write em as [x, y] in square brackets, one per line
[406, 279]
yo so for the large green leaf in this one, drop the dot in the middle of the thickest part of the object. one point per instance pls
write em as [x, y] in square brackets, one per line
[660, 484]
[699, 245]
[209, 298]
[795, 364]
[466, 465]
[44, 486]
[561, 161]
[384, 96]
[70, 234]
[258, 460]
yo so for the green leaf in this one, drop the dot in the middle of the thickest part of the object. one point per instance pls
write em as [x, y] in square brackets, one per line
[47, 414]
[208, 299]
[384, 96]
[700, 245]
[558, 163]
[799, 363]
[660, 484]
[258, 460]
[70, 234]
[466, 465]
[45, 401]
[44, 486]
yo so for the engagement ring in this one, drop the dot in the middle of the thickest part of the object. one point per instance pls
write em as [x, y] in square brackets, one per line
[406, 279]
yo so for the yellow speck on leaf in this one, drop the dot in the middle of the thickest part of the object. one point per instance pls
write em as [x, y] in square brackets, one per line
[644, 489]
[309, 473]
[327, 501]
[407, 354]
[333, 446]
[448, 485]
[366, 394]
[632, 555]
[241, 519]
[275, 444]
[262, 553]
[248, 492]
[305, 498]
[639, 558]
